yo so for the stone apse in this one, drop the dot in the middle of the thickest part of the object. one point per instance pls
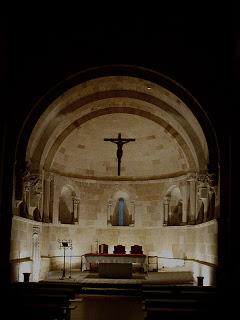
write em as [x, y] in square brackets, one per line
[69, 188]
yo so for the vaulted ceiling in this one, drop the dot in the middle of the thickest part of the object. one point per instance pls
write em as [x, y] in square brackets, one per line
[69, 136]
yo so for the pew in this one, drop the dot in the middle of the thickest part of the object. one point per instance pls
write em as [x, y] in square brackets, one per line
[171, 302]
[36, 288]
[32, 301]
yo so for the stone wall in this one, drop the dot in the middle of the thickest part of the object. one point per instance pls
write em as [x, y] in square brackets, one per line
[144, 199]
[197, 242]
[21, 238]
[205, 239]
[21, 253]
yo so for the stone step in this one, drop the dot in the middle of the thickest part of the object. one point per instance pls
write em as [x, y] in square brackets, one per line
[111, 290]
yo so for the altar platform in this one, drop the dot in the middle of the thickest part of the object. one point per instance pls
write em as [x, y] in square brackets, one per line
[176, 276]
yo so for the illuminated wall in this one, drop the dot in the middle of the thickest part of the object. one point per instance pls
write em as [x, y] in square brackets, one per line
[191, 242]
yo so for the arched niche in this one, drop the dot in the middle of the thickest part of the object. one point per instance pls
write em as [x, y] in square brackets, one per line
[173, 204]
[35, 214]
[121, 209]
[22, 209]
[66, 205]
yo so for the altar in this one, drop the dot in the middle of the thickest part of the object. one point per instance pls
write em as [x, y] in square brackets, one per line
[116, 265]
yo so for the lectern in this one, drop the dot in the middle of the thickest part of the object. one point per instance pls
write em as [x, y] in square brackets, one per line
[65, 244]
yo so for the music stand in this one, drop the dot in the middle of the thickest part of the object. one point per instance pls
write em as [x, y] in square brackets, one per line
[65, 244]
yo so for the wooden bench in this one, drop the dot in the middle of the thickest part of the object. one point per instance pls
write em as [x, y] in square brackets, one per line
[174, 313]
[38, 289]
[170, 302]
[180, 303]
[44, 306]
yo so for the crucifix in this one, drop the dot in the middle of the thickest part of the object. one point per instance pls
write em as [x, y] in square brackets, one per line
[119, 142]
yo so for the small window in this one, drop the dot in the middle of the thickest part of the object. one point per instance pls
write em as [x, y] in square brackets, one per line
[121, 216]
[121, 212]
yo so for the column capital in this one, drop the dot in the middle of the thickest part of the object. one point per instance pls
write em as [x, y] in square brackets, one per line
[49, 176]
[27, 186]
[207, 178]
[76, 201]
[166, 200]
[191, 176]
[33, 182]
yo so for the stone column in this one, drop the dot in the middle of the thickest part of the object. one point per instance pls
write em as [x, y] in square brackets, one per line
[211, 205]
[39, 196]
[27, 193]
[42, 197]
[203, 195]
[76, 210]
[205, 202]
[192, 195]
[109, 212]
[26, 199]
[185, 197]
[47, 197]
[132, 211]
[55, 201]
[51, 196]
[165, 211]
[180, 213]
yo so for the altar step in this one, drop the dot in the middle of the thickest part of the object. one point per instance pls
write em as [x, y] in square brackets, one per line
[111, 291]
[126, 289]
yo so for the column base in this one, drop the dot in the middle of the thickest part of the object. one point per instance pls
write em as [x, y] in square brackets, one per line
[183, 223]
[46, 219]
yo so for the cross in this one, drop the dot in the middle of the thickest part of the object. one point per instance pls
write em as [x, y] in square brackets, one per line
[119, 142]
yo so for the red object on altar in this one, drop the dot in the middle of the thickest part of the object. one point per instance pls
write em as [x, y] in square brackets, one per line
[119, 249]
[103, 248]
[136, 249]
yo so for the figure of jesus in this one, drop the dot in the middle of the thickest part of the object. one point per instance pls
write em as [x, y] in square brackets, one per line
[119, 142]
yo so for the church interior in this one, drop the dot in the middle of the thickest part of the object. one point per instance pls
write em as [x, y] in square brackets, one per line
[115, 170]
[71, 189]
